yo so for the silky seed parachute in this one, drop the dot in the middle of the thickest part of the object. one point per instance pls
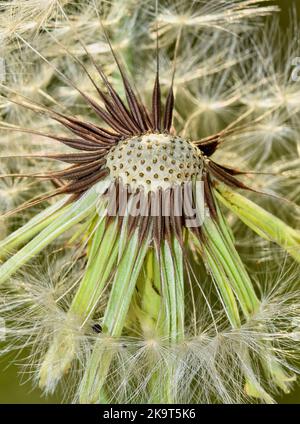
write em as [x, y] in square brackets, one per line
[137, 302]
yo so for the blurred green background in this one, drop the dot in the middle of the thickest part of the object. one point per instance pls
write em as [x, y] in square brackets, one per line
[11, 391]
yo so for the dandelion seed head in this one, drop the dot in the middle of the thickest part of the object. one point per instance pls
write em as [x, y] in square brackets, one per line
[152, 311]
[273, 135]
[13, 190]
[199, 15]
[11, 193]
[155, 160]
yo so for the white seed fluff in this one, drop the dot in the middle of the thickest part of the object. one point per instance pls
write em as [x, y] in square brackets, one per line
[155, 160]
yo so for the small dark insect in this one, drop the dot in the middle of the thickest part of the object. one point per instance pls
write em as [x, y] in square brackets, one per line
[97, 328]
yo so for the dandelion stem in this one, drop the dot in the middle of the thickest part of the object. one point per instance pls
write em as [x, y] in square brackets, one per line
[223, 249]
[102, 258]
[33, 227]
[173, 291]
[114, 318]
[79, 211]
[259, 220]
[226, 293]
[173, 299]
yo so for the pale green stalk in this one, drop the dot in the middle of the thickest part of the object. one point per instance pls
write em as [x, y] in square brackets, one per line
[227, 267]
[33, 227]
[173, 289]
[122, 289]
[224, 251]
[225, 291]
[149, 308]
[102, 258]
[233, 284]
[259, 220]
[158, 310]
[105, 247]
[62, 221]
[148, 312]
[82, 209]
[253, 387]
[170, 257]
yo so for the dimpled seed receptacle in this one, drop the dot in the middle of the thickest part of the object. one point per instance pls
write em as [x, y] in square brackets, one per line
[155, 160]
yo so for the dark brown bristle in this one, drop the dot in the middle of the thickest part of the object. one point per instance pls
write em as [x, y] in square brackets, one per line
[156, 105]
[209, 147]
[208, 196]
[226, 177]
[168, 116]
